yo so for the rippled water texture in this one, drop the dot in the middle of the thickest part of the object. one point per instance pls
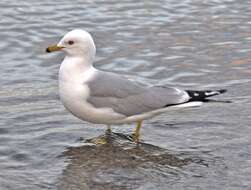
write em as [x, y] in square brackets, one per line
[187, 43]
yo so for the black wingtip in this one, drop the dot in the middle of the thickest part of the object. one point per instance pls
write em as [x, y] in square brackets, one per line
[203, 95]
[221, 91]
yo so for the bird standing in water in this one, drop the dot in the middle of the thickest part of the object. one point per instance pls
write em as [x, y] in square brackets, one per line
[107, 98]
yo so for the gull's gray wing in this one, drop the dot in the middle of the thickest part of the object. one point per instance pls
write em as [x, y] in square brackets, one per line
[130, 98]
[106, 84]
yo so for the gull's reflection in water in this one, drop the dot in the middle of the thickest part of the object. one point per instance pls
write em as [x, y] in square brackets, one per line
[120, 164]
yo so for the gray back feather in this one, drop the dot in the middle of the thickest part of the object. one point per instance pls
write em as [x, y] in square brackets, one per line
[130, 98]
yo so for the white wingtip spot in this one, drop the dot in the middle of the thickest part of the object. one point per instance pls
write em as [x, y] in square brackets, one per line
[190, 104]
[211, 93]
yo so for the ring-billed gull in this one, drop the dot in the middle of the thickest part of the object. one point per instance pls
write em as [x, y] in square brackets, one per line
[107, 98]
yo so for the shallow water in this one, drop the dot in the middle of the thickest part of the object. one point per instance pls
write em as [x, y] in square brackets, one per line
[187, 43]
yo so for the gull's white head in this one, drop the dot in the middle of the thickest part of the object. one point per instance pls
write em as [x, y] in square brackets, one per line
[77, 43]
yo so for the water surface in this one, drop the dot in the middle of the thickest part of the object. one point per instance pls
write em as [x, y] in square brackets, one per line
[187, 43]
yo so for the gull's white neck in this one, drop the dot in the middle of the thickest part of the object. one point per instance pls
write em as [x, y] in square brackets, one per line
[76, 69]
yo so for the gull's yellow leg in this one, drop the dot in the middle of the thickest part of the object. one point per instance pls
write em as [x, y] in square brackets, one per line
[104, 139]
[136, 133]
[108, 130]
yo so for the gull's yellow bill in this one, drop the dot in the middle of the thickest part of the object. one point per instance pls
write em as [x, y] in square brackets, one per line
[54, 48]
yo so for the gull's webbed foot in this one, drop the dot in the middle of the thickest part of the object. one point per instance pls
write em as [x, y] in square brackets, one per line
[136, 133]
[101, 141]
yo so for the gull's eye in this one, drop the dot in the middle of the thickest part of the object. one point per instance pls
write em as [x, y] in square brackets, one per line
[70, 42]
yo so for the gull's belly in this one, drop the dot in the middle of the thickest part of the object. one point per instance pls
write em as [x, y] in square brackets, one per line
[74, 98]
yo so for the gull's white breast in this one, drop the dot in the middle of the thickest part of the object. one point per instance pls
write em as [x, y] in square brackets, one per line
[74, 92]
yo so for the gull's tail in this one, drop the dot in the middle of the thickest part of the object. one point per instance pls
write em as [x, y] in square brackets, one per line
[203, 95]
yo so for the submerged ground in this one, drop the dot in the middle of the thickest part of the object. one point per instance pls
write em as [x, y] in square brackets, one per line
[191, 44]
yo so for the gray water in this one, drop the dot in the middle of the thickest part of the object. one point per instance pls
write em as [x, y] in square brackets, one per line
[192, 44]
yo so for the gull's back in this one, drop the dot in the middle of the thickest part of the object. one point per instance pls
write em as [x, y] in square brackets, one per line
[128, 97]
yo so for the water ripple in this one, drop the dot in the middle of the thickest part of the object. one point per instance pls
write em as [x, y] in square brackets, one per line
[192, 44]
